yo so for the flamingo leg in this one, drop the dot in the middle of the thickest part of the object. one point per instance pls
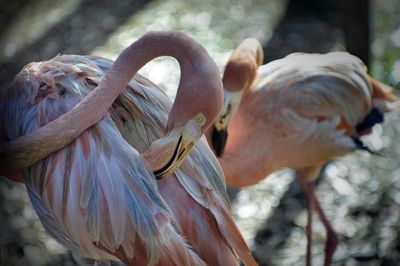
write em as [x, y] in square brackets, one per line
[308, 187]
[313, 203]
[332, 238]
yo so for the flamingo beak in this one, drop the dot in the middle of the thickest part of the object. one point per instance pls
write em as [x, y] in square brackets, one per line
[219, 138]
[167, 154]
[220, 128]
[181, 150]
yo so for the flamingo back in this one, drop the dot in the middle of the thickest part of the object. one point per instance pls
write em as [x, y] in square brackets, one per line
[321, 85]
[96, 196]
[305, 109]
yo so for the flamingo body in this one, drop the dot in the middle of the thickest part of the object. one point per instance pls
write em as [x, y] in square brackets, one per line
[297, 112]
[300, 112]
[97, 196]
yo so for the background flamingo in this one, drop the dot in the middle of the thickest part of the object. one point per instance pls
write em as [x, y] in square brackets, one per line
[298, 112]
[91, 188]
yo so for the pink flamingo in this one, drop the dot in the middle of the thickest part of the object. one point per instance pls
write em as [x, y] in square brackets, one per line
[298, 112]
[85, 137]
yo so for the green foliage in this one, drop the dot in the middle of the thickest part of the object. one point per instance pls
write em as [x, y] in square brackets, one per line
[386, 41]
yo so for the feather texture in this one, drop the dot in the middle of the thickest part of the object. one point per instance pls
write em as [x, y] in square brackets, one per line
[304, 109]
[97, 195]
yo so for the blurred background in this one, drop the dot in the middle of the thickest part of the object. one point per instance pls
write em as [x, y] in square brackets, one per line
[360, 192]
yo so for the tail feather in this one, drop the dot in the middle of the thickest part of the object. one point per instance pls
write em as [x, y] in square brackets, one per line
[361, 146]
[383, 97]
[178, 251]
[375, 116]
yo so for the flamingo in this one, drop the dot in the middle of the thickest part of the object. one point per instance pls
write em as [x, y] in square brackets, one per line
[99, 153]
[297, 112]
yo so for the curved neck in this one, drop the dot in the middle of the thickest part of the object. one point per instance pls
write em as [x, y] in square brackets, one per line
[26, 150]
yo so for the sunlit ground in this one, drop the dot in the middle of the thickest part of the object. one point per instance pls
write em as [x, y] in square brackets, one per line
[360, 192]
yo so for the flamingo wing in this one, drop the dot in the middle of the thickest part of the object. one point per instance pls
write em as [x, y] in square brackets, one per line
[322, 85]
[315, 99]
[205, 186]
[96, 196]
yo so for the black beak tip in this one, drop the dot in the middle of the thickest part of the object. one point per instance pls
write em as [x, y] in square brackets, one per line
[219, 138]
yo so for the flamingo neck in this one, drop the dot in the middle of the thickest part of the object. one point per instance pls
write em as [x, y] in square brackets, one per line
[26, 150]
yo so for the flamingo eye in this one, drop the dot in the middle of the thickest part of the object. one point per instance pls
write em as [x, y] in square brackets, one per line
[200, 119]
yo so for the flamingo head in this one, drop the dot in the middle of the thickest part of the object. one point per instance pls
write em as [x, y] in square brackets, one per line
[198, 103]
[238, 77]
[167, 153]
